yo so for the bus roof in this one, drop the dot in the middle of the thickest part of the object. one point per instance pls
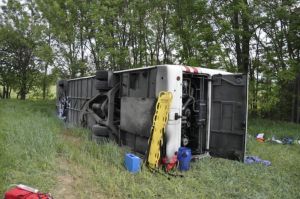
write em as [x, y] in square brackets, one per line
[185, 69]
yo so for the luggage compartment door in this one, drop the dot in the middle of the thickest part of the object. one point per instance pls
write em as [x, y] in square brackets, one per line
[228, 116]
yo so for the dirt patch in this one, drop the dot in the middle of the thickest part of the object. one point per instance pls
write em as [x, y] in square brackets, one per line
[72, 178]
[65, 188]
[73, 182]
[68, 135]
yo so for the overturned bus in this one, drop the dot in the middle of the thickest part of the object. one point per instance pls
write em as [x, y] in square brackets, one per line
[208, 112]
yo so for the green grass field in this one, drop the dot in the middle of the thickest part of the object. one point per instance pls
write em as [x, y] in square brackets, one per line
[38, 150]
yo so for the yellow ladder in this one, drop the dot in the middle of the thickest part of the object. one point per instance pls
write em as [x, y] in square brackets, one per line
[158, 128]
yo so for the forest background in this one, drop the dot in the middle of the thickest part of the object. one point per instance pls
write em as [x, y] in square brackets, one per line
[44, 40]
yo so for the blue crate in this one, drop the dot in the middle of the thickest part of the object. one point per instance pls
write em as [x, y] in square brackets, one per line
[132, 163]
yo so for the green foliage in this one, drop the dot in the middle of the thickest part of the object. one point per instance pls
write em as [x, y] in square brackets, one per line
[22, 47]
[76, 38]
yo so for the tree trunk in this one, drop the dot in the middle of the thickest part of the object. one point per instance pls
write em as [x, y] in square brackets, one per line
[9, 93]
[45, 81]
[164, 29]
[82, 69]
[140, 46]
[256, 91]
[46, 68]
[298, 100]
[23, 93]
[6, 90]
[3, 92]
[23, 88]
[245, 39]
[236, 29]
[293, 115]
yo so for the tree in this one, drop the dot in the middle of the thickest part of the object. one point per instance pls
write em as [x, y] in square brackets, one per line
[64, 19]
[7, 72]
[20, 39]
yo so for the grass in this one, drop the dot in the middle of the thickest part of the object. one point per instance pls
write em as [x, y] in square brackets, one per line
[38, 150]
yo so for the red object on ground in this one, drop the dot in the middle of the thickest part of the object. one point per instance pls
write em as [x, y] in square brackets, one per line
[18, 193]
[169, 165]
[260, 140]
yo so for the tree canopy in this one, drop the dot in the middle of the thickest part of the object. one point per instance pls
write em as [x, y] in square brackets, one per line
[40, 39]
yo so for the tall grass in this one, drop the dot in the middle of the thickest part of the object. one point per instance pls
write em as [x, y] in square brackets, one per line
[37, 149]
[28, 143]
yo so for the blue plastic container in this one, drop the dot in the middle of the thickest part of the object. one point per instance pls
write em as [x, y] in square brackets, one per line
[184, 157]
[132, 163]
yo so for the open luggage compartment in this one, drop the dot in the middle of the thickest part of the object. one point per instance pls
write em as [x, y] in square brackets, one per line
[194, 112]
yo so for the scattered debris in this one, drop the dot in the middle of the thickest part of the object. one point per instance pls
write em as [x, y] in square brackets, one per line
[22, 192]
[277, 141]
[287, 140]
[132, 163]
[184, 157]
[255, 160]
[170, 165]
[260, 137]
